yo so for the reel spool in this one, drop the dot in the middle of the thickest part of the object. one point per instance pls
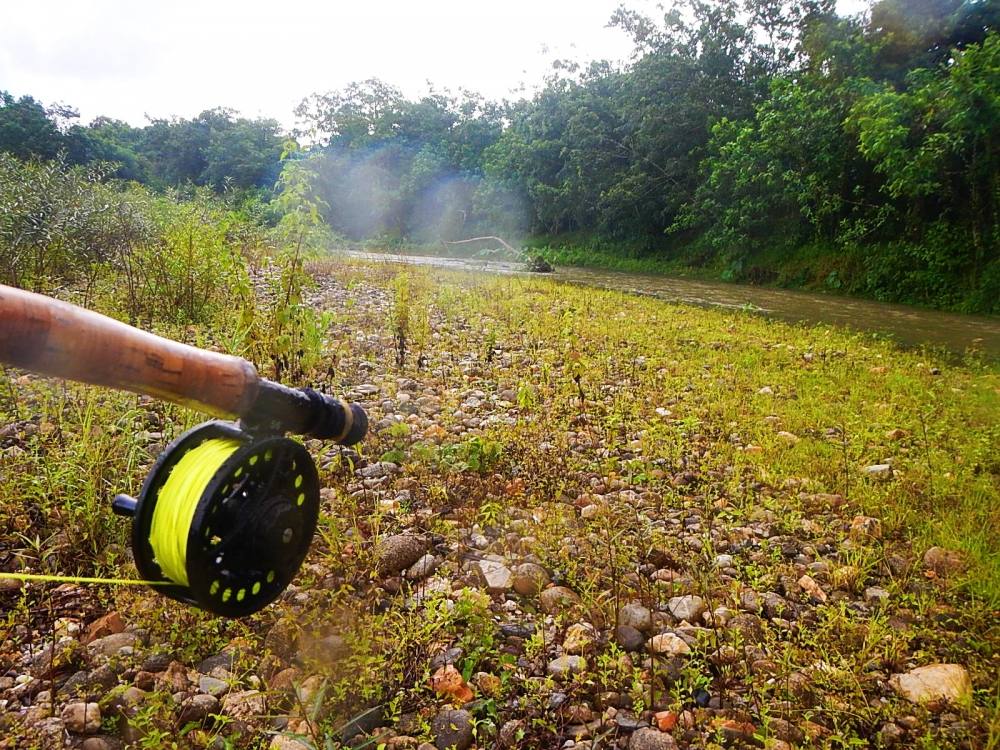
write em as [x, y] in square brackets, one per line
[227, 529]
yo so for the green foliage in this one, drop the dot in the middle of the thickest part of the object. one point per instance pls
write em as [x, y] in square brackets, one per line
[217, 148]
[742, 134]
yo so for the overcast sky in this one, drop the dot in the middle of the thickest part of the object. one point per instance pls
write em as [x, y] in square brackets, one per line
[132, 58]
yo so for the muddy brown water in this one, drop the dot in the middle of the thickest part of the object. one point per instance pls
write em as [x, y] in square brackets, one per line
[909, 326]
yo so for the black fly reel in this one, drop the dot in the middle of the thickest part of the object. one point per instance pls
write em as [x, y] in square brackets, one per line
[231, 532]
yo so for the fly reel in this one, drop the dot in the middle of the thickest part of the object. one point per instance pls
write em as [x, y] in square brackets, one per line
[224, 519]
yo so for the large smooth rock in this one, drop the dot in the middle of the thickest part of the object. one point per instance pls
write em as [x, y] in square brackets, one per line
[635, 615]
[530, 578]
[689, 608]
[82, 718]
[934, 685]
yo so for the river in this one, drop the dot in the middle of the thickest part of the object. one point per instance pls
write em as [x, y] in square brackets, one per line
[909, 326]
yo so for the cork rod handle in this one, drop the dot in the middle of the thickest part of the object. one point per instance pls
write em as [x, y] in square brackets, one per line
[58, 339]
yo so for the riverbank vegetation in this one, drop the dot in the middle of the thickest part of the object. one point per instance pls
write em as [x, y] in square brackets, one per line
[769, 142]
[579, 515]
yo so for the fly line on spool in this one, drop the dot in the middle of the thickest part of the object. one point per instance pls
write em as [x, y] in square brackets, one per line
[178, 500]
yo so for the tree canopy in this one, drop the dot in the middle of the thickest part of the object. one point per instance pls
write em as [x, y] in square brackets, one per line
[768, 139]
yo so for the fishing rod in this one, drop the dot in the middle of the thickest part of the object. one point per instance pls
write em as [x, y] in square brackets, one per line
[227, 512]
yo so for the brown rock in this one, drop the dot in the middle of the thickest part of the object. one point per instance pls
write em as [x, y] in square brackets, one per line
[398, 552]
[109, 624]
[866, 527]
[556, 598]
[530, 578]
[82, 718]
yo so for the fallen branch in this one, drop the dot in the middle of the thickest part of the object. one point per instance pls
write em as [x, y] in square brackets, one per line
[479, 239]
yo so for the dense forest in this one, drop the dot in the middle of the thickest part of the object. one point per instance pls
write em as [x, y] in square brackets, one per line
[768, 141]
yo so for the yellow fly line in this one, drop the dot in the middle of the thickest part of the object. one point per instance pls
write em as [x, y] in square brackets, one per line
[172, 516]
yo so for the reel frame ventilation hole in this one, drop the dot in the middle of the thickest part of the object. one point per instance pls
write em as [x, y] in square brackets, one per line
[251, 529]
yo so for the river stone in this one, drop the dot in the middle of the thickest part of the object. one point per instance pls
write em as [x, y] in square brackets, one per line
[629, 638]
[557, 598]
[530, 578]
[566, 665]
[635, 615]
[422, 567]
[669, 644]
[398, 552]
[934, 685]
[452, 729]
[496, 576]
[579, 638]
[197, 709]
[82, 718]
[943, 561]
[97, 743]
[110, 645]
[212, 685]
[689, 608]
[651, 739]
[245, 705]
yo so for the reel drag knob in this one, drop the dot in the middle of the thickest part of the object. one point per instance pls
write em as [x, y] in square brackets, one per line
[223, 519]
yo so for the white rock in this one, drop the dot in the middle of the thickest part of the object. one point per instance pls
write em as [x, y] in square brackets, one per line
[689, 608]
[497, 576]
[934, 685]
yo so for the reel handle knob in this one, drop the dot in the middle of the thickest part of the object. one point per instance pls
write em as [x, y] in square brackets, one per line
[124, 505]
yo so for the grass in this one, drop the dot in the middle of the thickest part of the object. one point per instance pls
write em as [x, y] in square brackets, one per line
[687, 428]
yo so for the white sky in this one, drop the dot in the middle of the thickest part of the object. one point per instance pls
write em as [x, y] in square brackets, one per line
[132, 58]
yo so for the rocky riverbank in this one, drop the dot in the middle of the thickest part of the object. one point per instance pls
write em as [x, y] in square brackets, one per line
[581, 520]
